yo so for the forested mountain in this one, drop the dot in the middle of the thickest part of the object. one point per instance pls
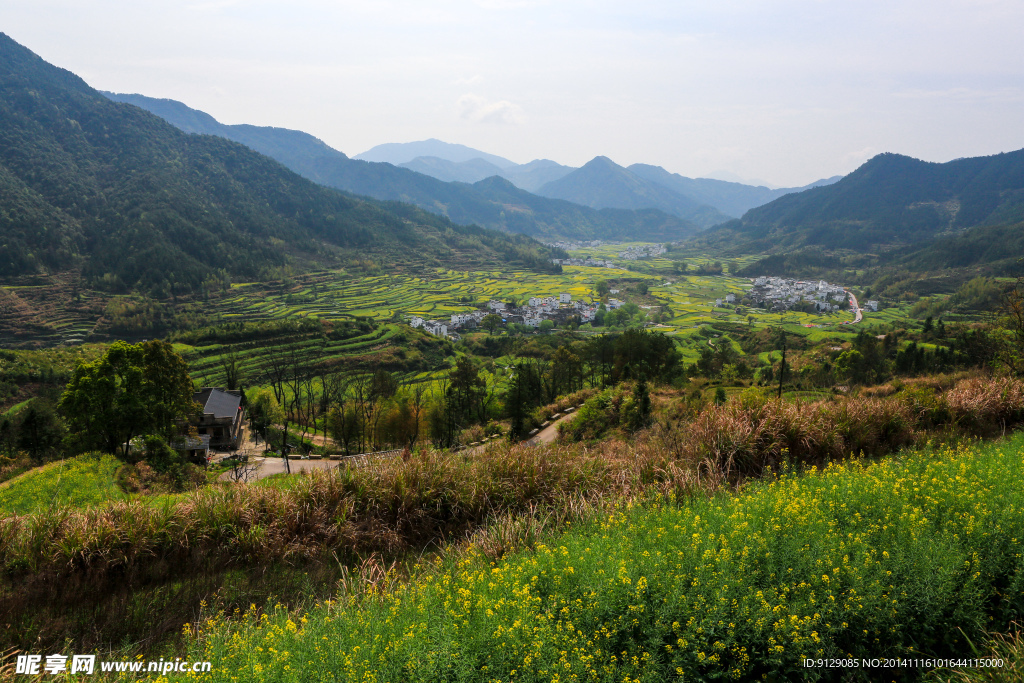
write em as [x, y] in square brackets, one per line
[601, 183]
[469, 171]
[530, 177]
[733, 199]
[489, 204]
[891, 201]
[137, 203]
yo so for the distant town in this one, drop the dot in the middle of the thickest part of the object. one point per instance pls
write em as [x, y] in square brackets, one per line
[559, 310]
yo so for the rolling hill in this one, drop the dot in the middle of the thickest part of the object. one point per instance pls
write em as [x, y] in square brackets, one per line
[530, 177]
[601, 183]
[499, 206]
[138, 204]
[890, 202]
[732, 199]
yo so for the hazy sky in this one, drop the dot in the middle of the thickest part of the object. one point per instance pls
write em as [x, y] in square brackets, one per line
[785, 91]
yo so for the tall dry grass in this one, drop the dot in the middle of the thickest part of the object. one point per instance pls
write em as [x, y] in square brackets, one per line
[755, 433]
[88, 557]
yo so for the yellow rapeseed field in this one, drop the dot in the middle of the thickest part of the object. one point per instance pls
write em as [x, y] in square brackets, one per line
[902, 557]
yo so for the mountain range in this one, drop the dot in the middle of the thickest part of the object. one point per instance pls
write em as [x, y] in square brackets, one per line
[409, 172]
[925, 215]
[136, 203]
[639, 185]
[492, 202]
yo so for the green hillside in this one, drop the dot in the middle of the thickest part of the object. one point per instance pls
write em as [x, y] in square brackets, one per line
[601, 183]
[493, 202]
[136, 203]
[891, 201]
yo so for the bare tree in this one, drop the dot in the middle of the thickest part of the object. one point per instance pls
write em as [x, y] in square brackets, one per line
[230, 363]
[244, 472]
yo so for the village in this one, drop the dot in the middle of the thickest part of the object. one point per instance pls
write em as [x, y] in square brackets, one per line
[560, 310]
[569, 245]
[643, 251]
[589, 261]
[780, 294]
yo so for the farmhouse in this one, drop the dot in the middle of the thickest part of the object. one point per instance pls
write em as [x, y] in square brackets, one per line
[221, 418]
[194, 448]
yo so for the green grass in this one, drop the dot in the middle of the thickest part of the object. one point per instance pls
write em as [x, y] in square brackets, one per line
[15, 408]
[79, 481]
[875, 560]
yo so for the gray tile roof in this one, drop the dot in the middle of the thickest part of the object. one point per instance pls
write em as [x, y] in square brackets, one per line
[218, 402]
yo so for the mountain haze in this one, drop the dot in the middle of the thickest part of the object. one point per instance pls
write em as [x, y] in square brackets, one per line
[733, 199]
[453, 171]
[398, 153]
[601, 183]
[493, 205]
[530, 176]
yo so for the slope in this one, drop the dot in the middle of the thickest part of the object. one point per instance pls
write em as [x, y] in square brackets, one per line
[733, 199]
[485, 204]
[402, 152]
[890, 201]
[601, 183]
[453, 171]
[136, 203]
[529, 177]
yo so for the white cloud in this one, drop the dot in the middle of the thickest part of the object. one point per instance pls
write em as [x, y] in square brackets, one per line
[478, 109]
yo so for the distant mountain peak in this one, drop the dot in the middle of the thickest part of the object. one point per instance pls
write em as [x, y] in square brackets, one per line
[399, 153]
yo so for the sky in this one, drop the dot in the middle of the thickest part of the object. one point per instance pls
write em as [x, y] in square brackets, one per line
[781, 91]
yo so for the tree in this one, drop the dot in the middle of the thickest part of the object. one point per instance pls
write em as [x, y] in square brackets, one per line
[264, 412]
[229, 363]
[491, 322]
[547, 325]
[131, 390]
[602, 288]
[642, 288]
[39, 430]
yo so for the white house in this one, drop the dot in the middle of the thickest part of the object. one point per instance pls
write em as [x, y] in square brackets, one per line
[565, 298]
[496, 305]
[534, 301]
[730, 298]
[614, 303]
[416, 321]
[872, 306]
[436, 328]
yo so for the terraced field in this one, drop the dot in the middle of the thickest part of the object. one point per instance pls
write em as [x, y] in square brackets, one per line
[387, 297]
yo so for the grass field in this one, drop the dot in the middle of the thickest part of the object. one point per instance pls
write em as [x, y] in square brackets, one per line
[859, 560]
[76, 482]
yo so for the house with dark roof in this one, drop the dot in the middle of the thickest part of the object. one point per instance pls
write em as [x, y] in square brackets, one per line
[195, 448]
[221, 418]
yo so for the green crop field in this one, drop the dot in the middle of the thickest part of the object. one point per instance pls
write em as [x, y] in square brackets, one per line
[906, 557]
[83, 480]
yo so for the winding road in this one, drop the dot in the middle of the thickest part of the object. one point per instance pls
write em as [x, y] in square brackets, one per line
[858, 313]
